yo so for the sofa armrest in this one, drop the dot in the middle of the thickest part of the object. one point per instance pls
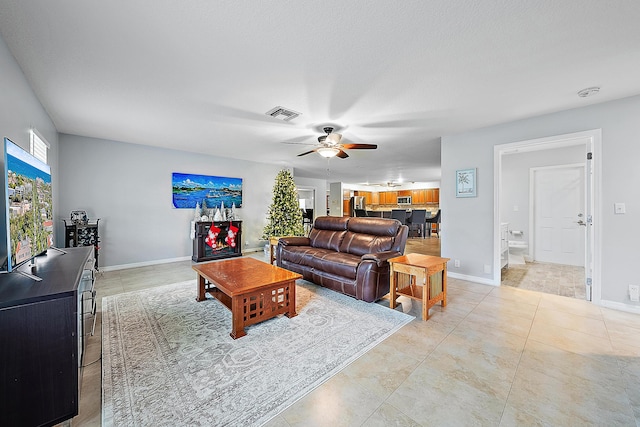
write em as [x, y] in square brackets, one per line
[294, 241]
[380, 257]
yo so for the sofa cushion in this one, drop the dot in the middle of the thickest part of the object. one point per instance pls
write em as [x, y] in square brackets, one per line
[328, 232]
[360, 244]
[301, 255]
[367, 235]
[340, 264]
[376, 226]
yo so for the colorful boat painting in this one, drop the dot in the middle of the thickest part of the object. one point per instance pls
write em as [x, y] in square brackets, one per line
[209, 191]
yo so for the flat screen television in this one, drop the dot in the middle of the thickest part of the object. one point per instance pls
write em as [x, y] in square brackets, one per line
[28, 206]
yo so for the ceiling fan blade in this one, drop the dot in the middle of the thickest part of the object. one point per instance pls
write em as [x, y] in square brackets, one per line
[342, 155]
[306, 152]
[359, 146]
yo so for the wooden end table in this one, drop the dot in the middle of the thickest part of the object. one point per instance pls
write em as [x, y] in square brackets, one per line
[419, 268]
[273, 242]
[253, 290]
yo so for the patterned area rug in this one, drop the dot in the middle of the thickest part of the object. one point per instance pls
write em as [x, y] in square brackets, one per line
[169, 360]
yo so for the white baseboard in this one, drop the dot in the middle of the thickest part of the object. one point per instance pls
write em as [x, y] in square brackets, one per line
[144, 263]
[474, 279]
[620, 306]
[162, 261]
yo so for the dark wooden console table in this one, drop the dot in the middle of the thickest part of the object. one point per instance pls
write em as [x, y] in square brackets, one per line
[41, 339]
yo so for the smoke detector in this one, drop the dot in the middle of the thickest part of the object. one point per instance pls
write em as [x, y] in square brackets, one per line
[588, 91]
[282, 113]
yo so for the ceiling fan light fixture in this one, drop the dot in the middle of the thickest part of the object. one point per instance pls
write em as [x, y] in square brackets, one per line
[334, 138]
[328, 151]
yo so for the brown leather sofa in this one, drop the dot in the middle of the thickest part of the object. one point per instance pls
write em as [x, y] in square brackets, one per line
[348, 255]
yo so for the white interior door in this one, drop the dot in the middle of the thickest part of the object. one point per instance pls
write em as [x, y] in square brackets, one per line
[589, 233]
[559, 215]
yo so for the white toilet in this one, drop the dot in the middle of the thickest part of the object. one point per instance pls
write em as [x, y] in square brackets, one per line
[518, 249]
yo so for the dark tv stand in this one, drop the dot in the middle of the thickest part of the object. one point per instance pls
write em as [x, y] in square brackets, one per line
[29, 275]
[33, 265]
[42, 336]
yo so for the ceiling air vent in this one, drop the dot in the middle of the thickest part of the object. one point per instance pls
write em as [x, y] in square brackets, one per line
[282, 113]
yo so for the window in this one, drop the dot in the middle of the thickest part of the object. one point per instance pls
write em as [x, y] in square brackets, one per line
[38, 146]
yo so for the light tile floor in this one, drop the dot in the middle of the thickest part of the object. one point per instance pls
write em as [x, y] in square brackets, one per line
[496, 356]
[564, 280]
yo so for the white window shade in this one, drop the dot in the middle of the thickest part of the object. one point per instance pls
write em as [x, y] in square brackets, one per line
[38, 146]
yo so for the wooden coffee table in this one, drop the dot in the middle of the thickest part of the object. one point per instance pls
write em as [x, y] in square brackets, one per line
[253, 290]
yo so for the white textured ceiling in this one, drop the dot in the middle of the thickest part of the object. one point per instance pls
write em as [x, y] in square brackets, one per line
[198, 75]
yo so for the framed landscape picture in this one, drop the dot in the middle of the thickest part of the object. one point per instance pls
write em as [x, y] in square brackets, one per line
[466, 183]
[209, 191]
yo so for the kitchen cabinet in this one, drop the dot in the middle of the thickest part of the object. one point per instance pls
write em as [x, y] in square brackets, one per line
[389, 198]
[418, 197]
[375, 198]
[425, 196]
[432, 195]
[404, 193]
[429, 196]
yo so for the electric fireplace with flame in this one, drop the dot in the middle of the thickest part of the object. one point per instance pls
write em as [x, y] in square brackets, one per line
[227, 245]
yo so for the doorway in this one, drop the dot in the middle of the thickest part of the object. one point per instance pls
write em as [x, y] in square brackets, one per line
[558, 214]
[554, 217]
[307, 202]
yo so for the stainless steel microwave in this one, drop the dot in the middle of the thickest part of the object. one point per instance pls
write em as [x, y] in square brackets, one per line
[404, 200]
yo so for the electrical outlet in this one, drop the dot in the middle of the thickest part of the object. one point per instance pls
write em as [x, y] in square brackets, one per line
[619, 208]
[487, 269]
[456, 263]
[634, 293]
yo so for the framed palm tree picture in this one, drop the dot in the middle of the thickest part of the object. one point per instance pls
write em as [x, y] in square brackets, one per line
[466, 183]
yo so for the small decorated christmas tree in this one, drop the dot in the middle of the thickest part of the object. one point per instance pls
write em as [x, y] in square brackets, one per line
[284, 217]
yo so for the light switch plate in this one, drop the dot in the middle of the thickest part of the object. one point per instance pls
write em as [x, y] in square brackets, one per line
[619, 208]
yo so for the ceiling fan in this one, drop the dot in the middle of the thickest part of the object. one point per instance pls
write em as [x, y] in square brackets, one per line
[330, 146]
[389, 184]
